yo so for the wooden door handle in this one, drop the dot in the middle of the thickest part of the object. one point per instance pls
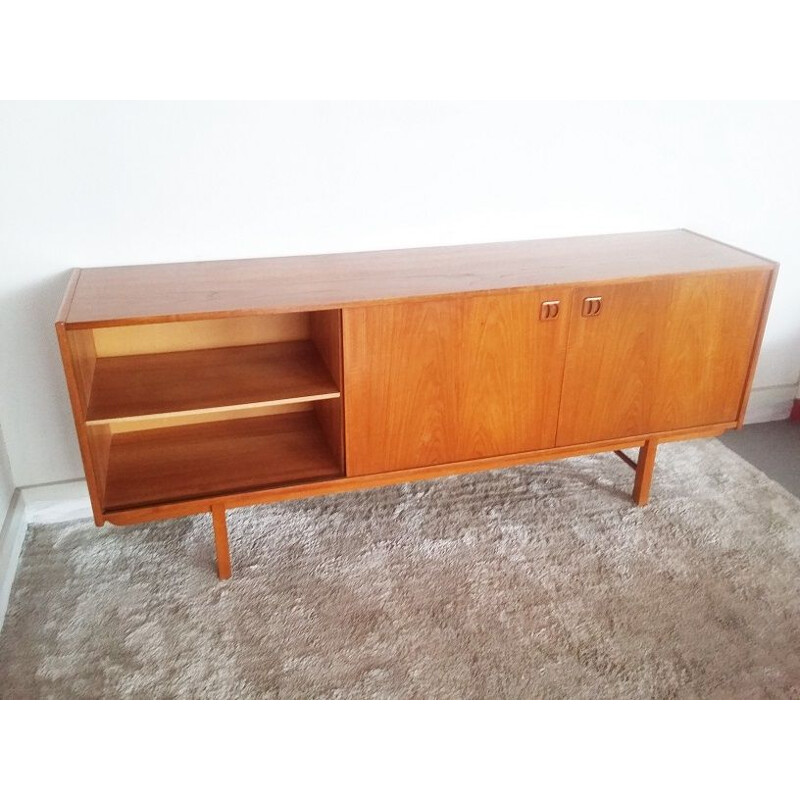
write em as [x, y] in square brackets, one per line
[549, 310]
[591, 306]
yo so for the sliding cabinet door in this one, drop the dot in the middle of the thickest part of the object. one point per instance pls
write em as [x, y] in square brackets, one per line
[660, 354]
[438, 381]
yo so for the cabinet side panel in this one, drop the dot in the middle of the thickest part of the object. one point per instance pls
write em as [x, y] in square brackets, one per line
[440, 381]
[707, 348]
[762, 325]
[77, 373]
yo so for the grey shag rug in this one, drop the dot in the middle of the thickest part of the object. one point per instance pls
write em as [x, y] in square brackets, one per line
[534, 582]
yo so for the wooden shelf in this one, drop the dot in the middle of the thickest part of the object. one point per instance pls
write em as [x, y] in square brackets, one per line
[166, 384]
[163, 465]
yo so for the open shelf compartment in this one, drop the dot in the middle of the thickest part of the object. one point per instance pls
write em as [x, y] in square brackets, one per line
[162, 465]
[167, 384]
[190, 409]
[143, 372]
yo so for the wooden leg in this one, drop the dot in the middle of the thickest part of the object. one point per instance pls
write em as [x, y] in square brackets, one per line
[644, 472]
[221, 539]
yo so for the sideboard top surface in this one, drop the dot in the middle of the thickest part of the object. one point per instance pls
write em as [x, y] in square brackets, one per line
[195, 290]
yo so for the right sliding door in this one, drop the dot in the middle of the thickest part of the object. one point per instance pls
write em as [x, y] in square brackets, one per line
[659, 354]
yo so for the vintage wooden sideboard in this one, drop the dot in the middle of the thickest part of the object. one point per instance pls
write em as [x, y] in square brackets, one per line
[200, 387]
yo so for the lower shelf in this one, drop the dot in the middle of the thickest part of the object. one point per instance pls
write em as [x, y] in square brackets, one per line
[164, 465]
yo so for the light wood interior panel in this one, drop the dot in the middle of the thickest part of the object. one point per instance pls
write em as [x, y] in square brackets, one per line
[440, 381]
[326, 333]
[84, 359]
[169, 337]
[99, 437]
[125, 426]
[330, 417]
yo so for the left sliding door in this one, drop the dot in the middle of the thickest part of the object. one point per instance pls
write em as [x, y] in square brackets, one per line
[439, 381]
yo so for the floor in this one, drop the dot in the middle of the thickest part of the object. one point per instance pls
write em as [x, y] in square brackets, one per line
[543, 581]
[773, 447]
[539, 581]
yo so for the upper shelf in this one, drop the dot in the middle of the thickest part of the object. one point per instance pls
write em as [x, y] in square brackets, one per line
[166, 384]
[125, 295]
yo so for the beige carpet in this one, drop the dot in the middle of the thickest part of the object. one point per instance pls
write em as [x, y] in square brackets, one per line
[535, 582]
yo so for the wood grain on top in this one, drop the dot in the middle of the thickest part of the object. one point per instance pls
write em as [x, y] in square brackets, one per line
[118, 295]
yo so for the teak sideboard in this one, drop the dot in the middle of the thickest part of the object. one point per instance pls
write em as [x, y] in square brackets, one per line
[204, 386]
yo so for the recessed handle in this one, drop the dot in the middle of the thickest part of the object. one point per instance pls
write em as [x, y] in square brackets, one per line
[591, 306]
[549, 310]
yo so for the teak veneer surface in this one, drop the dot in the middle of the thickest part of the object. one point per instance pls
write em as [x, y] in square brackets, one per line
[125, 387]
[663, 354]
[167, 464]
[452, 379]
[119, 295]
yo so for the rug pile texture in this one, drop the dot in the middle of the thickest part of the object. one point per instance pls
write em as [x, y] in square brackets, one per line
[534, 582]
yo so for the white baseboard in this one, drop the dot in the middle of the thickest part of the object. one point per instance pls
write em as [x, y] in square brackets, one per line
[56, 502]
[770, 403]
[12, 535]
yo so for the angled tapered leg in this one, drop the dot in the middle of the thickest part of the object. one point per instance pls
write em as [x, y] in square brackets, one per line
[644, 472]
[221, 539]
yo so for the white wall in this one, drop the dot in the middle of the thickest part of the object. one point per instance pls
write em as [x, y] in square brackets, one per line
[6, 481]
[100, 184]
